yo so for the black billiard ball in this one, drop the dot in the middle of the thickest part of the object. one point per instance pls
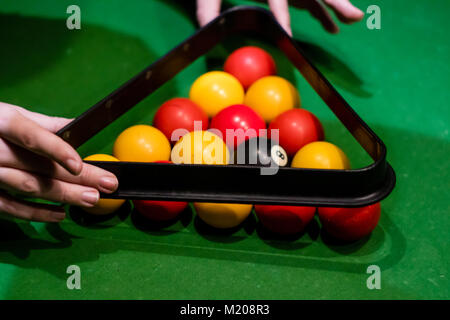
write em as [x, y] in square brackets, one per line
[260, 151]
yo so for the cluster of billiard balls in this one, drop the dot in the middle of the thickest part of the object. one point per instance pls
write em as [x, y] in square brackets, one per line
[258, 108]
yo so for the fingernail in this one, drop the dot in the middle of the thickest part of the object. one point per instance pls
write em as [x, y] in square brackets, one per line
[109, 183]
[58, 215]
[74, 166]
[90, 198]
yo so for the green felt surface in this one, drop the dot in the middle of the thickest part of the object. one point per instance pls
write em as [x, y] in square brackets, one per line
[396, 78]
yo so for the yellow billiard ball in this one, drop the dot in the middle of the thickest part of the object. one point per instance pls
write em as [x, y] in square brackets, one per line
[104, 206]
[222, 215]
[320, 155]
[142, 143]
[216, 90]
[271, 96]
[200, 147]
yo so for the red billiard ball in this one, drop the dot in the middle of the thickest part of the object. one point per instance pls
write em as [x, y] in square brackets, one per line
[350, 224]
[159, 210]
[236, 117]
[179, 113]
[249, 64]
[297, 128]
[284, 220]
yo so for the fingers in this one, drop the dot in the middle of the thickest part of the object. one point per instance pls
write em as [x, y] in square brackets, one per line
[17, 128]
[345, 11]
[30, 211]
[207, 10]
[16, 157]
[280, 10]
[46, 188]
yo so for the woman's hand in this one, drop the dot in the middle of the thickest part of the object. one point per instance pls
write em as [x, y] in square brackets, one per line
[343, 9]
[36, 162]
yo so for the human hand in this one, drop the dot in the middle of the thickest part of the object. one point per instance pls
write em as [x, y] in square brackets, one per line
[343, 9]
[36, 162]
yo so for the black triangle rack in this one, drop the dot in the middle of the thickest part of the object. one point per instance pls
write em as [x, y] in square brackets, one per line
[232, 183]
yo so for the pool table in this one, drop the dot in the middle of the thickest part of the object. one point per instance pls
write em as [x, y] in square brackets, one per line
[397, 78]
